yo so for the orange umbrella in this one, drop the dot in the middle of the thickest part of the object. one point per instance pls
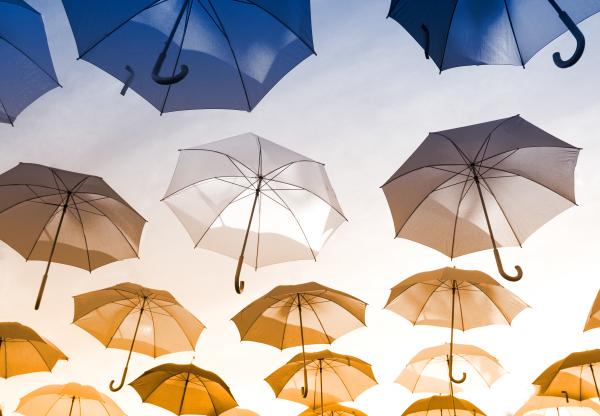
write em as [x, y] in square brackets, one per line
[333, 410]
[134, 318]
[442, 406]
[551, 406]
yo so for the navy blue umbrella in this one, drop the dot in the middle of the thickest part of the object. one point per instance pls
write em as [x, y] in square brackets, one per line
[26, 70]
[491, 32]
[194, 54]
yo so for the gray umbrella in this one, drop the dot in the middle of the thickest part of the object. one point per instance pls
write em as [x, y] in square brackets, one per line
[481, 187]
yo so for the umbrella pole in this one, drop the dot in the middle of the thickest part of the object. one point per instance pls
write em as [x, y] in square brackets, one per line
[594, 378]
[239, 286]
[72, 403]
[187, 380]
[321, 381]
[303, 389]
[45, 278]
[137, 327]
[450, 358]
[508, 277]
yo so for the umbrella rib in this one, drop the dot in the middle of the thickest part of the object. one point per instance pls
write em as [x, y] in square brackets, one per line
[508, 154]
[118, 229]
[489, 189]
[448, 35]
[285, 25]
[22, 52]
[60, 397]
[24, 201]
[462, 194]
[120, 26]
[37, 240]
[40, 354]
[460, 308]
[87, 250]
[494, 303]
[427, 301]
[297, 221]
[479, 372]
[341, 380]
[434, 166]
[187, 19]
[487, 140]
[10, 119]
[258, 233]
[458, 149]
[239, 71]
[514, 34]
[318, 319]
[285, 325]
[287, 165]
[153, 333]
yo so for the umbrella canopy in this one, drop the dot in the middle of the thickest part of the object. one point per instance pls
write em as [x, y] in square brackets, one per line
[68, 400]
[134, 318]
[239, 412]
[333, 410]
[184, 390]
[556, 406]
[430, 298]
[433, 363]
[248, 195]
[594, 316]
[299, 315]
[54, 215]
[27, 71]
[23, 351]
[576, 376]
[482, 187]
[456, 33]
[194, 54]
[333, 378]
[443, 406]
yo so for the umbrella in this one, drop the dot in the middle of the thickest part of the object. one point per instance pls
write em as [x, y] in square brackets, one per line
[442, 406]
[482, 186]
[184, 390]
[27, 71]
[594, 316]
[23, 351]
[575, 376]
[433, 363]
[134, 318]
[430, 298]
[338, 378]
[68, 400]
[65, 217]
[457, 33]
[253, 200]
[299, 315]
[239, 412]
[555, 406]
[190, 54]
[333, 410]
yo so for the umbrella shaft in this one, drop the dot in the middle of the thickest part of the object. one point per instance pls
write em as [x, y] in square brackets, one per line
[175, 26]
[187, 380]
[257, 193]
[594, 378]
[305, 391]
[321, 381]
[72, 403]
[485, 213]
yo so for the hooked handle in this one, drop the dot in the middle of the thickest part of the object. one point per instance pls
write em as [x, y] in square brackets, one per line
[579, 38]
[503, 273]
[128, 80]
[304, 389]
[239, 285]
[425, 30]
[566, 395]
[183, 71]
[451, 376]
[120, 386]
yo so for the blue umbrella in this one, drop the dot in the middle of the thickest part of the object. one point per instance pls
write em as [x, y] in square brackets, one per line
[194, 54]
[26, 71]
[491, 32]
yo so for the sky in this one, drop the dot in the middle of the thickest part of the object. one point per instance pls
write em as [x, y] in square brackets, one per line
[361, 106]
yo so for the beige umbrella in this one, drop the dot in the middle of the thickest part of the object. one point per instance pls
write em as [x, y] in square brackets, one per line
[184, 390]
[68, 400]
[575, 376]
[556, 406]
[299, 315]
[336, 377]
[23, 351]
[58, 216]
[333, 410]
[134, 318]
[594, 316]
[454, 298]
[443, 406]
[423, 372]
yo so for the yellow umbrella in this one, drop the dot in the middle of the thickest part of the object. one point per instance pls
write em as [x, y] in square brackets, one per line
[134, 318]
[454, 298]
[299, 315]
[594, 316]
[184, 390]
[575, 376]
[556, 406]
[68, 400]
[338, 378]
[442, 406]
[333, 410]
[423, 372]
[23, 351]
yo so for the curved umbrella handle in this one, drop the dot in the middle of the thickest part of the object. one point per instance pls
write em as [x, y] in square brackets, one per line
[239, 285]
[129, 79]
[120, 386]
[503, 273]
[566, 395]
[425, 30]
[451, 376]
[183, 71]
[570, 24]
[304, 389]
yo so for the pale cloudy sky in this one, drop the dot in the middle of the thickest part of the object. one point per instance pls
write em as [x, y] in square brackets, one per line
[361, 106]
